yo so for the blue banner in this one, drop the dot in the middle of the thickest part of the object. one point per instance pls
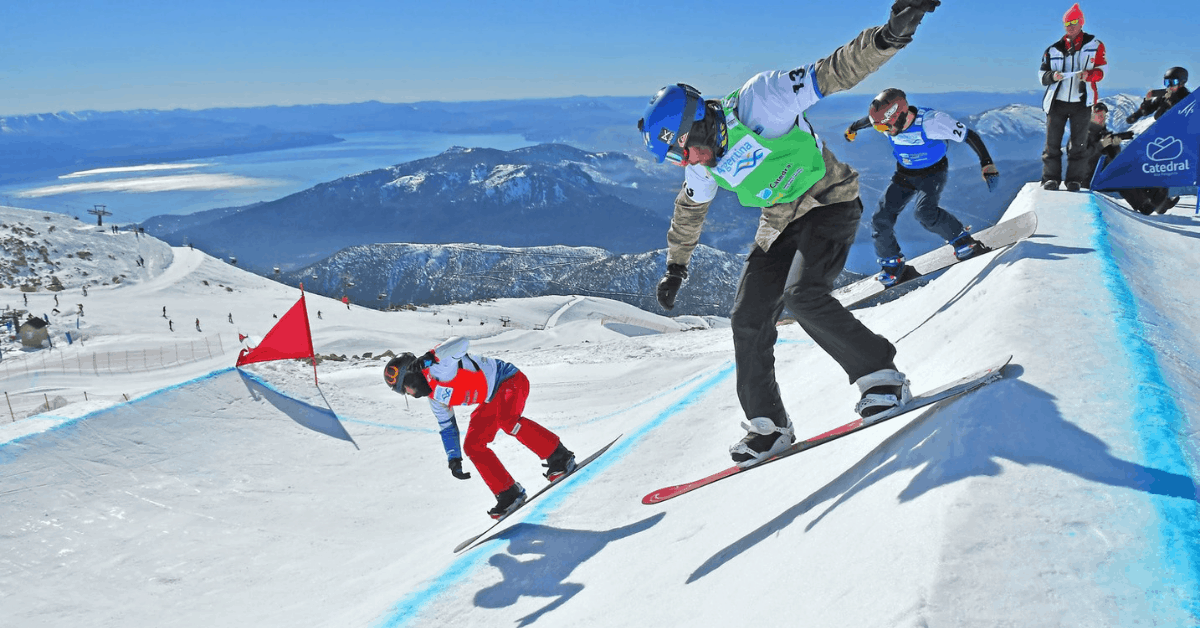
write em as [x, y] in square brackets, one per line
[1165, 155]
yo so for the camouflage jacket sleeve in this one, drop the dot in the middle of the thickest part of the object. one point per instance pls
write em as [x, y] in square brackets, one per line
[686, 224]
[852, 63]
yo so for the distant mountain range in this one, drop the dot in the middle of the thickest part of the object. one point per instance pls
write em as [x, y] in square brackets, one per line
[386, 276]
[609, 208]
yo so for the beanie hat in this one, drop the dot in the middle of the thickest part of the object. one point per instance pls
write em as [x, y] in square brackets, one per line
[1074, 13]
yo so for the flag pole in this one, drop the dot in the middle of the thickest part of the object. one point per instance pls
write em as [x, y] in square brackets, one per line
[312, 358]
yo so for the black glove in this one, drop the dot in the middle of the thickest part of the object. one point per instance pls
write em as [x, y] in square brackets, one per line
[427, 360]
[1125, 135]
[902, 23]
[1131, 119]
[669, 285]
[456, 469]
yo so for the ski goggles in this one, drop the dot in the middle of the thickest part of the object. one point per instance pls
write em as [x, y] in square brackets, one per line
[896, 123]
[1071, 22]
[1171, 82]
[394, 377]
[677, 154]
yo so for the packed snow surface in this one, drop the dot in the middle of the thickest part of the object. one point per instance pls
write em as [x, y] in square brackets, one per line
[1061, 495]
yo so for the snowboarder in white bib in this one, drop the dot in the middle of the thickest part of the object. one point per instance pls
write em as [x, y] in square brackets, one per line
[757, 143]
[920, 139]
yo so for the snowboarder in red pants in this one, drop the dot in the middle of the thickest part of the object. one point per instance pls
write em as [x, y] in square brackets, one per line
[449, 376]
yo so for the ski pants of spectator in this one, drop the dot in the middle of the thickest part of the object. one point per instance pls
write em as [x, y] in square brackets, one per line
[798, 273]
[503, 412]
[1079, 116]
[926, 186]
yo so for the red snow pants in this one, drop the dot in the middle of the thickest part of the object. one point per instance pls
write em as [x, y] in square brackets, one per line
[503, 412]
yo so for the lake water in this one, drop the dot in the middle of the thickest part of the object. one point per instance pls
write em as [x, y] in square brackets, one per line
[136, 193]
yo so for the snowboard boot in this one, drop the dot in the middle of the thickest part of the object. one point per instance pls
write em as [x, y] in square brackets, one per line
[1167, 204]
[1050, 184]
[882, 390]
[560, 463]
[1073, 186]
[893, 269]
[507, 501]
[764, 440]
[966, 246]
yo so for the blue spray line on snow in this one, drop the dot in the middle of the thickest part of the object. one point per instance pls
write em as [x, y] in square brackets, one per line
[407, 610]
[72, 421]
[1159, 422]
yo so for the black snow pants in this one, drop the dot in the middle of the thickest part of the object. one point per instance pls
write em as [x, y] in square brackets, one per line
[798, 272]
[1079, 115]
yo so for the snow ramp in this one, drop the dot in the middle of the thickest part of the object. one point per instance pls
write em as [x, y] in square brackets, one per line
[1062, 495]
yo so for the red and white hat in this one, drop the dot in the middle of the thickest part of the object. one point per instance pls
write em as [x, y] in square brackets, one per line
[1073, 14]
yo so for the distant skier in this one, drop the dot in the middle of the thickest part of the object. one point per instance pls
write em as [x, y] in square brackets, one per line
[920, 140]
[1160, 101]
[1068, 66]
[758, 143]
[449, 376]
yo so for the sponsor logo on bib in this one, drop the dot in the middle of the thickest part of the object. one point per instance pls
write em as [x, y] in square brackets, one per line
[740, 160]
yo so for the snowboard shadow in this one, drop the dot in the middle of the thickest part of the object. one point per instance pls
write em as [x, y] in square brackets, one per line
[559, 551]
[1034, 248]
[965, 437]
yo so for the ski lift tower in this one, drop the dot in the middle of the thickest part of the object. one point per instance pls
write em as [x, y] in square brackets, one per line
[100, 212]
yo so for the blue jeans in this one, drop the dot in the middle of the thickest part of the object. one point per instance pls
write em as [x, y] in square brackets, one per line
[926, 186]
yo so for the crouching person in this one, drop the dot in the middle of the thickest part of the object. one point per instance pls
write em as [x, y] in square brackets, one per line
[449, 376]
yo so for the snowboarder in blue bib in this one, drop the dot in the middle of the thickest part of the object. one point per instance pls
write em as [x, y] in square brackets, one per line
[920, 138]
[757, 143]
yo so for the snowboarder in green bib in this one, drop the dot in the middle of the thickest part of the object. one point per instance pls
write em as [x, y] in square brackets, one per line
[757, 142]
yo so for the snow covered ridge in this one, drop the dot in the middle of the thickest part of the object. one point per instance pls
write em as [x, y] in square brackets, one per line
[537, 196]
[1025, 122]
[388, 276]
[49, 251]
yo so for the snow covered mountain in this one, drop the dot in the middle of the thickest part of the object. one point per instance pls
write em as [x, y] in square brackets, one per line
[550, 194]
[394, 275]
[189, 494]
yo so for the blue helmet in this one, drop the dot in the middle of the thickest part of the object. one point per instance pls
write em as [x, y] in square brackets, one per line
[668, 117]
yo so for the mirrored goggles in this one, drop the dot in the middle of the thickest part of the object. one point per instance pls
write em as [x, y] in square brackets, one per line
[677, 155]
[1071, 22]
[1172, 82]
[394, 378]
[897, 123]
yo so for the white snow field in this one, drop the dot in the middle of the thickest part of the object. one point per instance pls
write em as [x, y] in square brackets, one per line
[1062, 495]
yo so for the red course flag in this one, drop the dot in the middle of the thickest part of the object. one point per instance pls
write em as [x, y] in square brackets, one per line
[289, 338]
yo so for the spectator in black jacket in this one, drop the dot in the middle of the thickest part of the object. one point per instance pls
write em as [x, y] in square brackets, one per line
[1159, 101]
[1102, 141]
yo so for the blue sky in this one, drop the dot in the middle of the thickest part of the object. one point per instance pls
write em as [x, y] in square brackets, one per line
[63, 56]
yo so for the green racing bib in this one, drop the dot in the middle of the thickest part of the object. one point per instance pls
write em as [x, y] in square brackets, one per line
[765, 172]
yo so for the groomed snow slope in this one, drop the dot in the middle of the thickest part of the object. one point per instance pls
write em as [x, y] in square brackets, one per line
[1063, 495]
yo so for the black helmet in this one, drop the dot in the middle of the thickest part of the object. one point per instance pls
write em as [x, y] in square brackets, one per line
[1098, 107]
[1175, 76]
[889, 111]
[404, 370]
